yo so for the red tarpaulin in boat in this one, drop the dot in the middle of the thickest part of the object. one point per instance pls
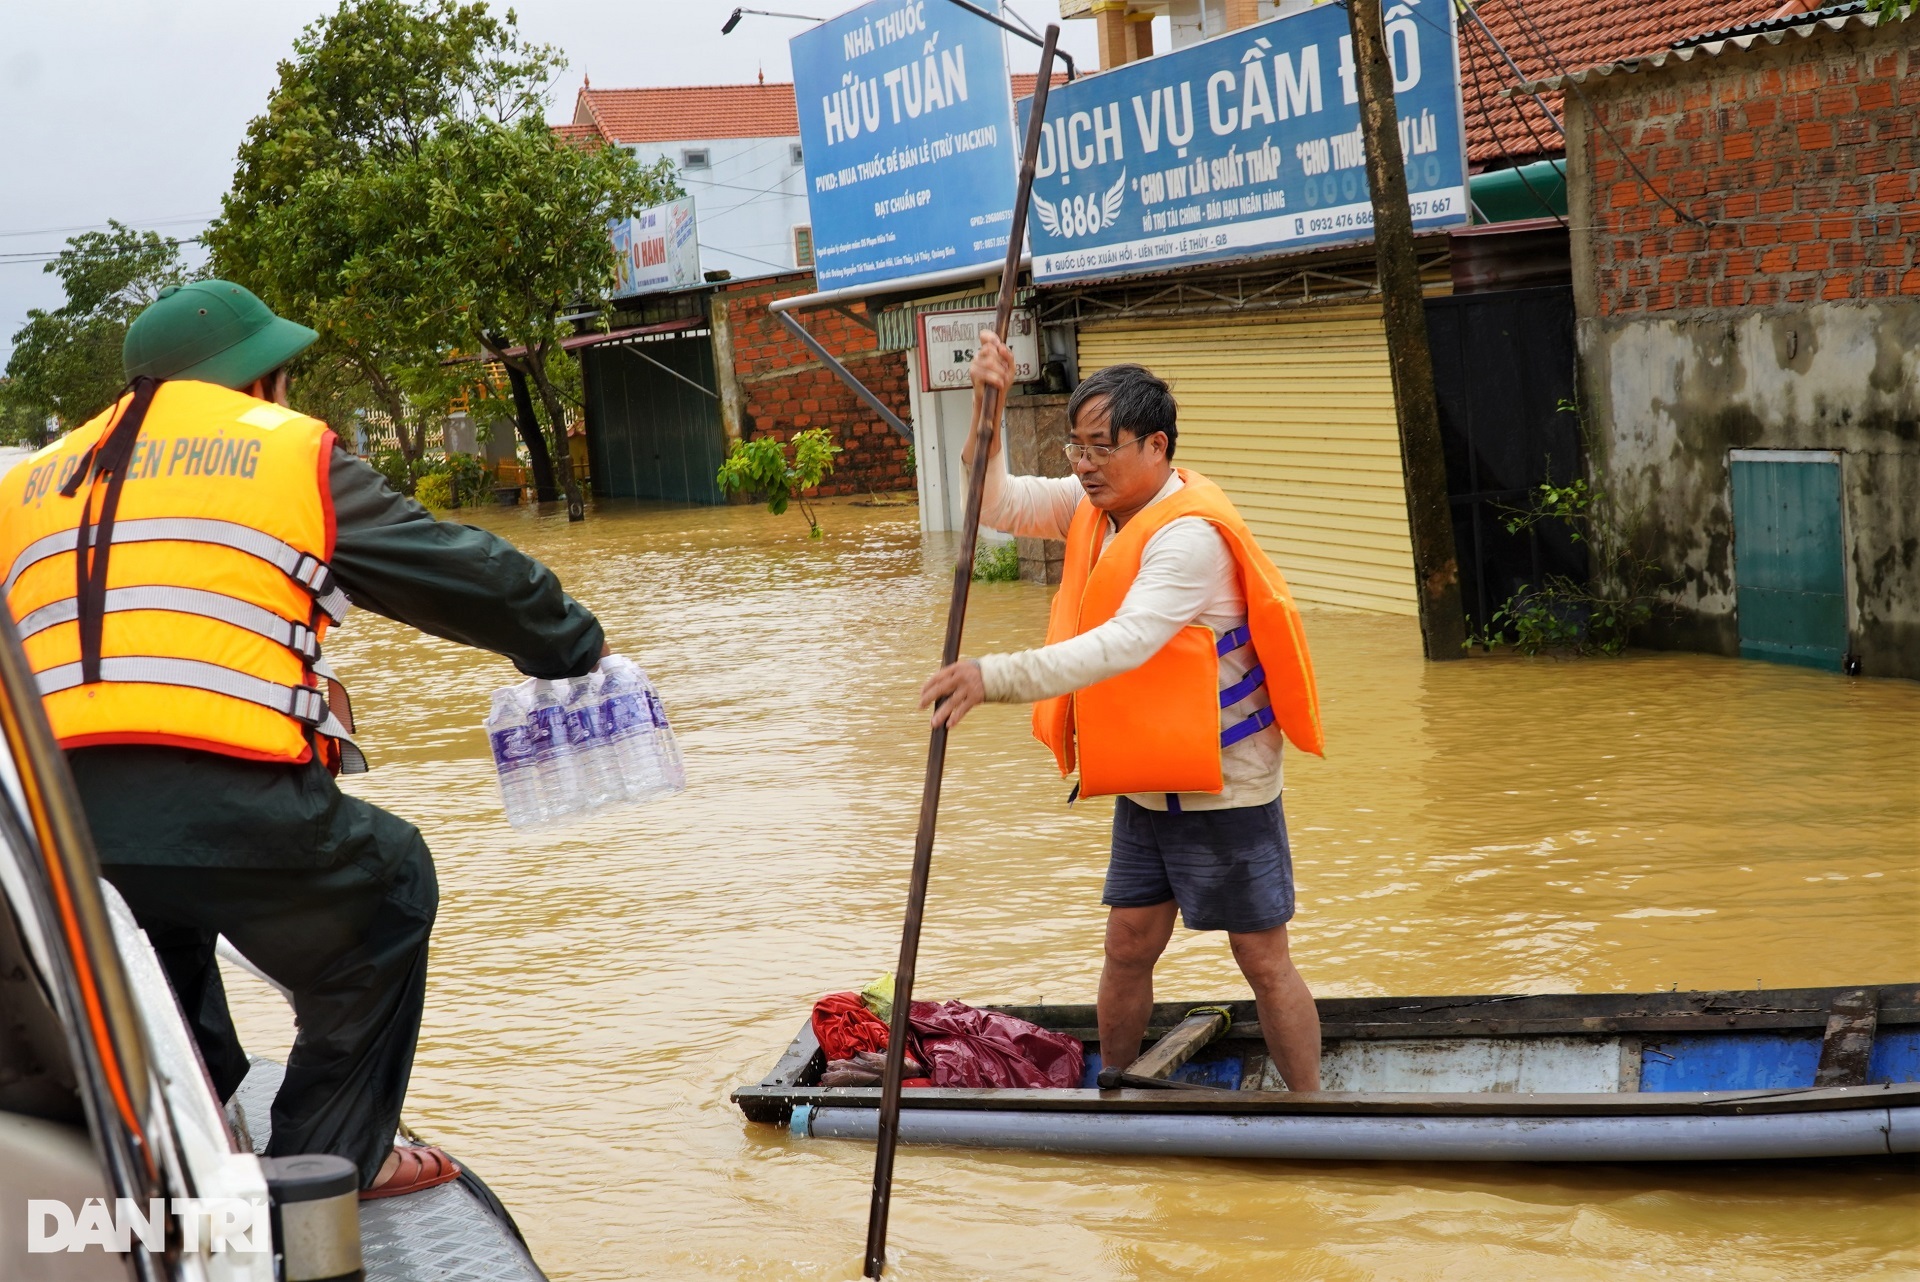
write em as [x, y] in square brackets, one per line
[960, 1044]
[963, 1046]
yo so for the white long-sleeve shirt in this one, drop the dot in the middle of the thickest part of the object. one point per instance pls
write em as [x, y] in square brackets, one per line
[1186, 576]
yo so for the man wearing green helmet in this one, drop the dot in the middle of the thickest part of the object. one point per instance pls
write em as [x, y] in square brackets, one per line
[181, 669]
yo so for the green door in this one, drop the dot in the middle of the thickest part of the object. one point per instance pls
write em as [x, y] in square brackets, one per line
[653, 419]
[1789, 569]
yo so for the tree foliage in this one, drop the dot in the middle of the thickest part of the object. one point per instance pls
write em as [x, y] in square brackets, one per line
[19, 424]
[307, 224]
[66, 362]
[761, 467]
[403, 195]
[519, 223]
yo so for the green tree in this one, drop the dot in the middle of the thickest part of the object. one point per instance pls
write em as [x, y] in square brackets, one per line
[404, 196]
[66, 362]
[517, 223]
[19, 424]
[310, 224]
[760, 467]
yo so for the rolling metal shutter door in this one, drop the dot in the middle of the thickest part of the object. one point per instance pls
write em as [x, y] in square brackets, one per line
[1293, 416]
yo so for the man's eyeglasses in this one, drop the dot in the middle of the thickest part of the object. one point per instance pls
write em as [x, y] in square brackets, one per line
[1098, 453]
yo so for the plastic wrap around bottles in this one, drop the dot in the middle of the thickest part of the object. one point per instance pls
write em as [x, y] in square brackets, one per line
[564, 749]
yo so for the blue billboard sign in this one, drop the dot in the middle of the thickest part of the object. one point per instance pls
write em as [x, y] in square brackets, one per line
[1241, 144]
[906, 126]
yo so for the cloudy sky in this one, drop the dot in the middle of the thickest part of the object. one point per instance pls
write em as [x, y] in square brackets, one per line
[133, 109]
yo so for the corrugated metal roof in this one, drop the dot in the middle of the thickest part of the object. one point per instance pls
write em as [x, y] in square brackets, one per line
[1775, 24]
[897, 325]
[1805, 28]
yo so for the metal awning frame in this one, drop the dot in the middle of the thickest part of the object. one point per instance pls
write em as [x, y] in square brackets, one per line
[840, 300]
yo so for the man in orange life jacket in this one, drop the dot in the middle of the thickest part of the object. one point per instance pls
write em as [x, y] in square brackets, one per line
[1174, 662]
[180, 667]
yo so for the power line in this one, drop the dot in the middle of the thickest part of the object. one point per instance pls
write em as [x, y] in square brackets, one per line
[47, 256]
[135, 226]
[1480, 100]
[734, 253]
[1532, 32]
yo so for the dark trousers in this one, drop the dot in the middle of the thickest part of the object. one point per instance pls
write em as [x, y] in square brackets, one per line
[348, 940]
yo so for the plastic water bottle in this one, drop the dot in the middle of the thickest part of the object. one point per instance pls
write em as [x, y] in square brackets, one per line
[567, 748]
[672, 764]
[593, 750]
[515, 757]
[559, 768]
[628, 723]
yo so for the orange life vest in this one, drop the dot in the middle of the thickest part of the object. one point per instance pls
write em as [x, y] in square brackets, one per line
[1157, 728]
[197, 616]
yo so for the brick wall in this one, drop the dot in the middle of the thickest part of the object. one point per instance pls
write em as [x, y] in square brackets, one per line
[1790, 321]
[1799, 161]
[785, 390]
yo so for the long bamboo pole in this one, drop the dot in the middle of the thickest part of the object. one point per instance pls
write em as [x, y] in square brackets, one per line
[986, 421]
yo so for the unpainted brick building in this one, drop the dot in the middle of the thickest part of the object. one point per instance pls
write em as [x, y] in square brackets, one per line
[1746, 250]
[780, 388]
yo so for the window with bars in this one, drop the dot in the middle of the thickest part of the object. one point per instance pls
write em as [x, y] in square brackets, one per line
[803, 246]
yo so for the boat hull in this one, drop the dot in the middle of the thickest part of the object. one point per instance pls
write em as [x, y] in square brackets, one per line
[1860, 1132]
[1785, 1074]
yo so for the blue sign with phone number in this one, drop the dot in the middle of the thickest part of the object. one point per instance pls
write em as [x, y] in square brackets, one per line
[1243, 143]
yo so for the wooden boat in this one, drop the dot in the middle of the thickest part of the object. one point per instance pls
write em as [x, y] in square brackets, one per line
[1600, 1077]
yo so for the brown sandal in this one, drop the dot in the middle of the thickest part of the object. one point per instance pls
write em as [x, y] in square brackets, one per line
[421, 1167]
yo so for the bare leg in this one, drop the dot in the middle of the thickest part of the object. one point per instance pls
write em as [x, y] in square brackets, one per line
[1288, 1016]
[1135, 939]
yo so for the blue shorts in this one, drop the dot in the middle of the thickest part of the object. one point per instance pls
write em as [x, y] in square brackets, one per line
[1227, 869]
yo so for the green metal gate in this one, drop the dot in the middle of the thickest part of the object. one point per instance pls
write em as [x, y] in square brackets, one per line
[1789, 557]
[653, 419]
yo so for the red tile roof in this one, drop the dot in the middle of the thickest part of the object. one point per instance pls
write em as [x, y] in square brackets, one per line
[1549, 37]
[1024, 81]
[692, 112]
[587, 136]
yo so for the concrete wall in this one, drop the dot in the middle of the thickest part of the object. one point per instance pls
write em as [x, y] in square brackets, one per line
[745, 204]
[1673, 396]
[1036, 429]
[1785, 315]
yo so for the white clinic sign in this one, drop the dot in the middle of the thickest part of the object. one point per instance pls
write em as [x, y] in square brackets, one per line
[948, 341]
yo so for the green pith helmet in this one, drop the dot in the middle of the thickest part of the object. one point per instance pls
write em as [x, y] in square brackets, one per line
[212, 331]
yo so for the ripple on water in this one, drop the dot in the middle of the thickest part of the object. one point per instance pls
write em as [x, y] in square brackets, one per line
[1489, 826]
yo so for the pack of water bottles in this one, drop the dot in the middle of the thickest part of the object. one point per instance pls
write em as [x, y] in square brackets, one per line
[564, 749]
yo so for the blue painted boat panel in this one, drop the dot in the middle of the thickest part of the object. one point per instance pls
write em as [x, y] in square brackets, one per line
[1729, 1062]
[1224, 1071]
[1896, 1057]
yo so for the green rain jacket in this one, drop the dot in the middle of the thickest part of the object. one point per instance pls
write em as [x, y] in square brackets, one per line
[182, 808]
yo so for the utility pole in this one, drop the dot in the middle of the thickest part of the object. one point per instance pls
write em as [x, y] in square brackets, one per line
[1443, 628]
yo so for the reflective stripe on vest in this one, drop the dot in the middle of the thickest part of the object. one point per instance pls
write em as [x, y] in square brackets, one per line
[309, 571]
[297, 637]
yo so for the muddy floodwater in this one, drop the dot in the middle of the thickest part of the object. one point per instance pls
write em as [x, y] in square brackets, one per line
[1497, 826]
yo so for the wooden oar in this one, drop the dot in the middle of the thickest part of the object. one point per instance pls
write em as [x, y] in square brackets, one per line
[986, 421]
